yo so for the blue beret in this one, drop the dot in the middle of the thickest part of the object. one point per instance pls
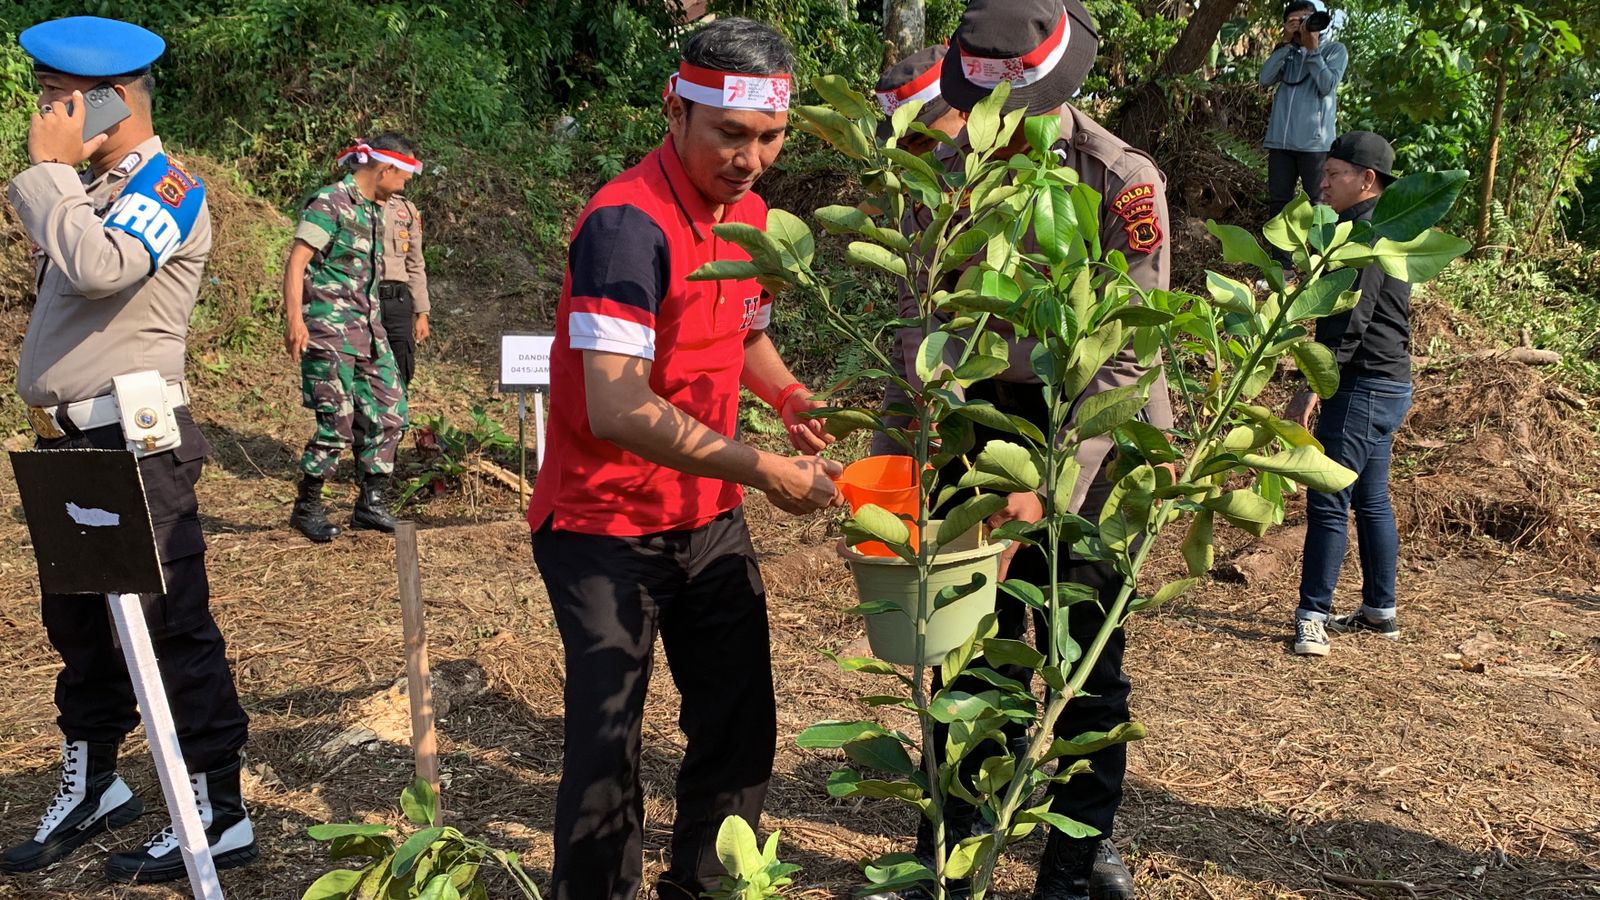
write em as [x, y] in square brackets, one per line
[92, 47]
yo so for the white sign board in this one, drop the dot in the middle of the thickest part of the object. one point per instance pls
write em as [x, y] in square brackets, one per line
[525, 362]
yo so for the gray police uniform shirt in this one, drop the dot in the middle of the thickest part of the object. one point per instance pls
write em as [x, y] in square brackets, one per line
[1134, 220]
[101, 311]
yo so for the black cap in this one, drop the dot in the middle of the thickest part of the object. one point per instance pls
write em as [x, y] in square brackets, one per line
[1367, 150]
[1045, 48]
[917, 74]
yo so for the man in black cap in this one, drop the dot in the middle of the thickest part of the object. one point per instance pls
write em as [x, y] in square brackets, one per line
[120, 252]
[1372, 342]
[1045, 49]
[917, 78]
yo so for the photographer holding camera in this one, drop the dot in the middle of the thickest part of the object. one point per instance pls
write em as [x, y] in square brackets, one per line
[1307, 69]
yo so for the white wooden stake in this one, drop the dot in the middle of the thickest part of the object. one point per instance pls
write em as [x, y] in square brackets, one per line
[128, 615]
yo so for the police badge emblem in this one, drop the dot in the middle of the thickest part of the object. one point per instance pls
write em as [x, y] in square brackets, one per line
[145, 418]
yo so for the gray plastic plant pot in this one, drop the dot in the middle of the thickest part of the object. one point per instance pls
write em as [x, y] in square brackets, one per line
[893, 637]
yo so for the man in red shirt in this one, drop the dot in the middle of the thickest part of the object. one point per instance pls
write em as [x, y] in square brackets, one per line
[636, 518]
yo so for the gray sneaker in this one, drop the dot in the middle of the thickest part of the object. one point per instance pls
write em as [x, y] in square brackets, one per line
[1388, 629]
[1310, 637]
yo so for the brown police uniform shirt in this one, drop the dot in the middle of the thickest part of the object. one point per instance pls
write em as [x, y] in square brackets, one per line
[402, 250]
[1134, 220]
[100, 310]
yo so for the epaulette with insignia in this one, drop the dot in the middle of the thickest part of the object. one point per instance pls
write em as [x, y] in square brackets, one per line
[159, 206]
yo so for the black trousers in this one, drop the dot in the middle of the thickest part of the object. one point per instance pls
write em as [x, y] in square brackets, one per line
[1092, 798]
[1287, 172]
[701, 591]
[94, 694]
[399, 323]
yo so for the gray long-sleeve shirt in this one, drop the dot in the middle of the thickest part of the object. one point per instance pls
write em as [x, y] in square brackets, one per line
[1304, 109]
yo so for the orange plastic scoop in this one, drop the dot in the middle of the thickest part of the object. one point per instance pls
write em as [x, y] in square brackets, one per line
[886, 481]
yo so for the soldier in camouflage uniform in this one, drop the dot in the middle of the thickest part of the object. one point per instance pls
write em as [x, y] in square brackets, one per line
[335, 331]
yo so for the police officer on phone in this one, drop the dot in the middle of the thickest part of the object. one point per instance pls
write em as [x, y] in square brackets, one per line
[119, 251]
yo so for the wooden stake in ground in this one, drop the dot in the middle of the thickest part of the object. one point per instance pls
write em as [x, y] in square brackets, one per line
[424, 740]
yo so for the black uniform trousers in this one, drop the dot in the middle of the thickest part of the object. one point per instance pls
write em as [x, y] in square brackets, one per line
[701, 591]
[400, 324]
[94, 695]
[1094, 797]
[1287, 171]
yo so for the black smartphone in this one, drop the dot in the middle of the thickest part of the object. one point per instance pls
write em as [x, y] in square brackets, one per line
[103, 108]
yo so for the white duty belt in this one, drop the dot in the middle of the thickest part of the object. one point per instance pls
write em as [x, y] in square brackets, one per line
[96, 412]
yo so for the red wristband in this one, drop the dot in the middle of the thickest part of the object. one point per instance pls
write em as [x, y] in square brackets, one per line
[786, 393]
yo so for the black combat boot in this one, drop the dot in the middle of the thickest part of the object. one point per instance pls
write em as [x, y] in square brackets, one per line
[370, 511]
[1111, 879]
[92, 798]
[226, 823]
[309, 515]
[1066, 867]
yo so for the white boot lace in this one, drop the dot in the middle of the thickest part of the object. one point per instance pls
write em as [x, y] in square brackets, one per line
[73, 788]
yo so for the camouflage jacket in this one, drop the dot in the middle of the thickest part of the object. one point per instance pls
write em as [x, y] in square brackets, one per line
[340, 304]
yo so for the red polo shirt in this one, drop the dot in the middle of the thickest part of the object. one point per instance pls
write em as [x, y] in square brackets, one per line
[626, 292]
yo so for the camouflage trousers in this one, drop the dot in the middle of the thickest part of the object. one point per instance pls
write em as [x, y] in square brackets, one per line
[342, 388]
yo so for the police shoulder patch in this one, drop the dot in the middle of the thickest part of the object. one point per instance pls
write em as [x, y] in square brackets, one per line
[159, 206]
[1136, 207]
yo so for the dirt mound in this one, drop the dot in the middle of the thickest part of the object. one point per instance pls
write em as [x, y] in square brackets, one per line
[1496, 449]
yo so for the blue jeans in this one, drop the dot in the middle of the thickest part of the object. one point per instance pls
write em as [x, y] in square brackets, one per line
[1356, 429]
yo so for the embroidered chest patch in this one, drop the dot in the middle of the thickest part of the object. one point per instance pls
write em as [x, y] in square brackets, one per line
[752, 306]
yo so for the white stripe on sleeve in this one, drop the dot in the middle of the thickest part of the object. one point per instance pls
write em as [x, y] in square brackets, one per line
[608, 334]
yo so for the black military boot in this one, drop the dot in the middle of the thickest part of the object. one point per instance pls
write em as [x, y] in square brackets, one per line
[371, 511]
[1111, 879]
[222, 815]
[91, 799]
[1066, 867]
[309, 515]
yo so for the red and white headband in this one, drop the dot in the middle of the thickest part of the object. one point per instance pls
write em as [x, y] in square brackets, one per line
[924, 87]
[1039, 62]
[730, 91]
[363, 154]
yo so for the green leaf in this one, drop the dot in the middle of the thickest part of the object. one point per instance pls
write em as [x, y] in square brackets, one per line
[1244, 509]
[1239, 246]
[904, 115]
[896, 870]
[1006, 652]
[845, 421]
[1026, 592]
[1318, 298]
[360, 846]
[1003, 466]
[833, 734]
[792, 234]
[1419, 260]
[967, 853]
[1415, 203]
[836, 92]
[1287, 230]
[335, 885]
[875, 608]
[965, 517]
[419, 803]
[1307, 465]
[1319, 366]
[1291, 433]
[874, 523]
[930, 355]
[1168, 592]
[958, 706]
[953, 592]
[1198, 551]
[728, 270]
[983, 123]
[869, 664]
[1233, 296]
[1054, 222]
[1106, 410]
[834, 128]
[872, 256]
[737, 848]
[1140, 316]
[1042, 132]
[1152, 443]
[1070, 827]
[328, 832]
[763, 250]
[881, 752]
[406, 857]
[440, 887]
[1095, 741]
